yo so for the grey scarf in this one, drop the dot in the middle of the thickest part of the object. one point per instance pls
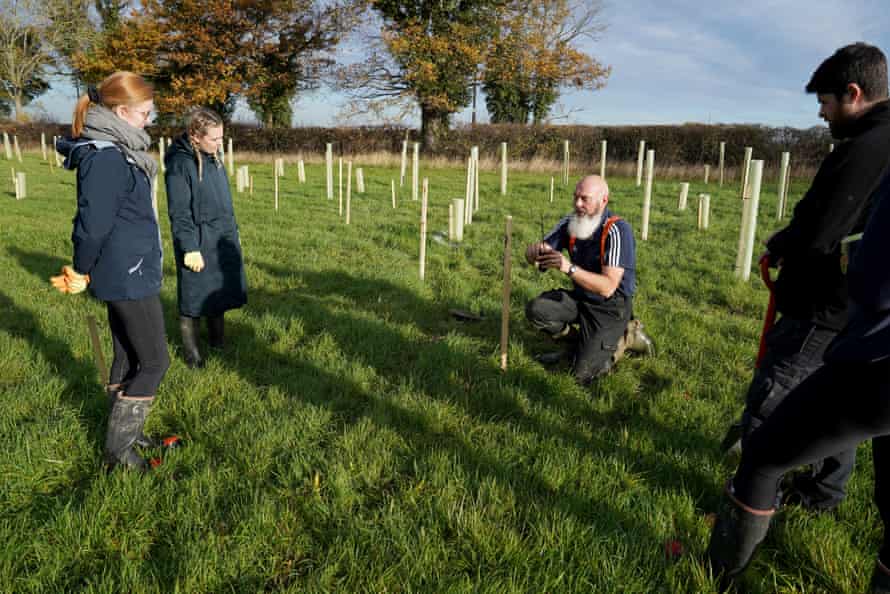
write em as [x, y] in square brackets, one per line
[103, 124]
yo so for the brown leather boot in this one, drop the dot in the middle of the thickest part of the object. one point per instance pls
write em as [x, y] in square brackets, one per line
[638, 342]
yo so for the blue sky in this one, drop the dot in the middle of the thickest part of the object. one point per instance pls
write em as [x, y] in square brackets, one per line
[679, 61]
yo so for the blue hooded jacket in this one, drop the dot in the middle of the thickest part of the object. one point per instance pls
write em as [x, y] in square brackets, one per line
[116, 236]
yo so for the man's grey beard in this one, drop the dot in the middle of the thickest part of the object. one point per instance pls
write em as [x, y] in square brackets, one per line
[584, 226]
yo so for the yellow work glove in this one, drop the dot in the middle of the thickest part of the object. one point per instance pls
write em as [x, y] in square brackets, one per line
[194, 261]
[70, 281]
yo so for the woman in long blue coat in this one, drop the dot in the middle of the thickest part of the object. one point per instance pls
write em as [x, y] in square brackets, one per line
[209, 267]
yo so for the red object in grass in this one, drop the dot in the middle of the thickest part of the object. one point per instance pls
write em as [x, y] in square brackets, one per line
[673, 549]
[155, 462]
[171, 442]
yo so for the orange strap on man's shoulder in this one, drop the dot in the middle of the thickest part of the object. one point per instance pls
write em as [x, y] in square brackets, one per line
[606, 227]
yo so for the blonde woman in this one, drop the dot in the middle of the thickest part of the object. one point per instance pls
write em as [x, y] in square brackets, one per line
[117, 249]
[209, 268]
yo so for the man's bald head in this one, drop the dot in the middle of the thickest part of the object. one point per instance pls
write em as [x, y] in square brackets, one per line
[591, 195]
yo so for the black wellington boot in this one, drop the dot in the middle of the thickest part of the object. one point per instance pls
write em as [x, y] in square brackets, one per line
[737, 533]
[190, 330]
[112, 391]
[124, 428]
[880, 580]
[216, 332]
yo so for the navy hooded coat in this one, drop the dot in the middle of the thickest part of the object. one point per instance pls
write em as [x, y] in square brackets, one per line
[116, 237]
[202, 219]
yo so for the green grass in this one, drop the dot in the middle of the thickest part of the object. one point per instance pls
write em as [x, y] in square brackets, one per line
[353, 437]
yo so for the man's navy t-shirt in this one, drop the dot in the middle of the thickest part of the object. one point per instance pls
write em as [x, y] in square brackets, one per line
[620, 252]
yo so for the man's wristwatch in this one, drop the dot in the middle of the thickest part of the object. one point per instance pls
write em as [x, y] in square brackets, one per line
[572, 270]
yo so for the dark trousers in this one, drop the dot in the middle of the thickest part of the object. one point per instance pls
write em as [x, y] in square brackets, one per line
[835, 409]
[140, 345]
[600, 325]
[794, 352]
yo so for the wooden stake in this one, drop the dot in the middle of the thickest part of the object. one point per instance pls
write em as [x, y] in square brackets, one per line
[640, 156]
[458, 205]
[348, 190]
[275, 177]
[503, 169]
[7, 147]
[250, 190]
[450, 222]
[393, 193]
[43, 145]
[647, 196]
[505, 304]
[97, 349]
[423, 205]
[684, 193]
[722, 161]
[359, 181]
[231, 159]
[831, 148]
[415, 170]
[161, 154]
[340, 183]
[707, 173]
[301, 172]
[329, 170]
[551, 188]
[603, 159]
[18, 151]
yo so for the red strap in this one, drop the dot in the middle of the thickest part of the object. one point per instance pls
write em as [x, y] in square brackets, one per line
[608, 225]
[609, 222]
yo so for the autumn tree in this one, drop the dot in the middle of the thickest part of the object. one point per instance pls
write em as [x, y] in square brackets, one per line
[28, 42]
[210, 52]
[289, 44]
[535, 55]
[430, 52]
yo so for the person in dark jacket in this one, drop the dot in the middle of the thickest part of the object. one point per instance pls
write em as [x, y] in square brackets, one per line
[813, 421]
[117, 249]
[209, 268]
[811, 290]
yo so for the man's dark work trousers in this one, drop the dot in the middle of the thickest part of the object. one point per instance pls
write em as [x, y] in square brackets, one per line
[600, 325]
[794, 352]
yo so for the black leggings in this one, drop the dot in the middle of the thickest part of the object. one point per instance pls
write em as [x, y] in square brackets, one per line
[835, 409]
[140, 345]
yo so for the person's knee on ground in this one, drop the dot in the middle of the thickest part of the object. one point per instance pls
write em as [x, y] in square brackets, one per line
[537, 315]
[589, 366]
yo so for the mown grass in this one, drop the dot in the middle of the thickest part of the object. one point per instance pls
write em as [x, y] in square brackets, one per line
[354, 437]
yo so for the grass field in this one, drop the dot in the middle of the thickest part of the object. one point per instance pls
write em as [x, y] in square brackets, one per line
[354, 437]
